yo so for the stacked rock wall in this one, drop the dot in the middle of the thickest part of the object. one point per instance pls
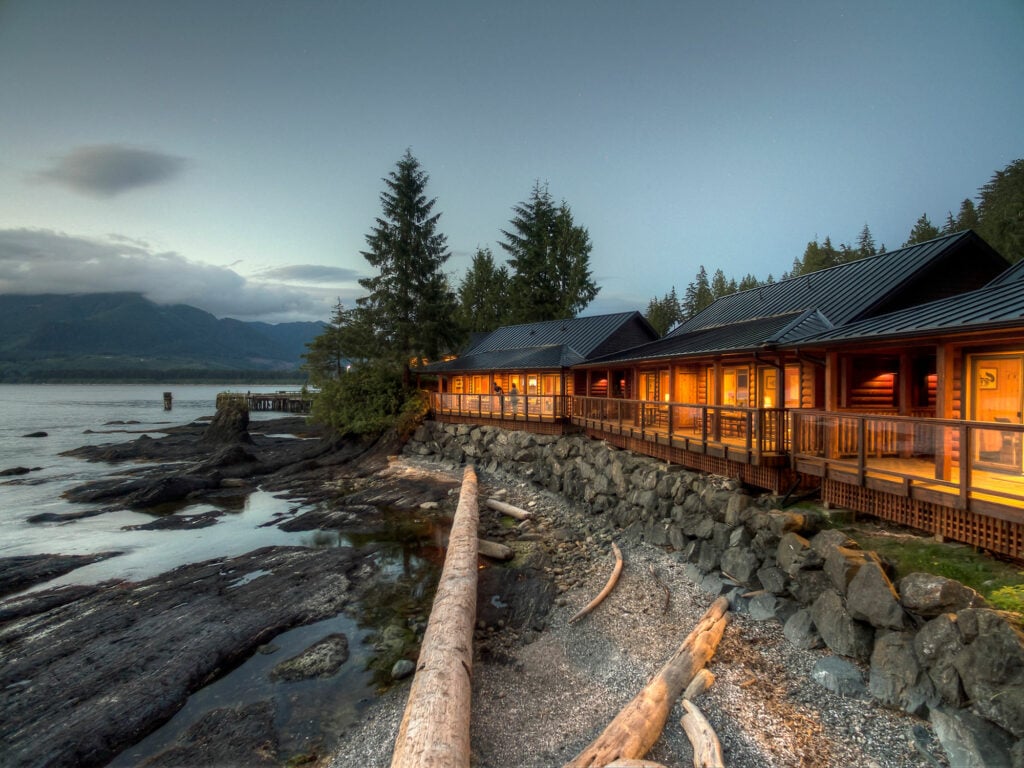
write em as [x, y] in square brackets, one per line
[931, 646]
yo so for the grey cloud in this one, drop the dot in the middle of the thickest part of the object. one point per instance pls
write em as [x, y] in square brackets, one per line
[44, 261]
[311, 273]
[105, 170]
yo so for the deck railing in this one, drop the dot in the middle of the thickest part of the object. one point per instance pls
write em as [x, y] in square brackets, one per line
[964, 459]
[506, 406]
[756, 430]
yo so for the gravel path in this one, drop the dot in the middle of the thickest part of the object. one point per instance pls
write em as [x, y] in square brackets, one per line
[539, 698]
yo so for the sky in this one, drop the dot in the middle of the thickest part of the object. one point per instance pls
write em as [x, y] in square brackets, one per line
[230, 155]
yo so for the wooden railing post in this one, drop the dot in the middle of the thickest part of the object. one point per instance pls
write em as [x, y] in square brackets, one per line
[861, 447]
[965, 464]
[435, 727]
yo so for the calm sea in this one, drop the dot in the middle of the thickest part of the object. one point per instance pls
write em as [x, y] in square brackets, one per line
[76, 415]
[311, 713]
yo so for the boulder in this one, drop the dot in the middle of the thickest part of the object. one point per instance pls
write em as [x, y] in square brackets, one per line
[839, 676]
[825, 541]
[937, 644]
[897, 678]
[991, 667]
[740, 563]
[772, 578]
[794, 553]
[871, 597]
[807, 586]
[971, 741]
[928, 595]
[322, 659]
[799, 629]
[843, 563]
[839, 630]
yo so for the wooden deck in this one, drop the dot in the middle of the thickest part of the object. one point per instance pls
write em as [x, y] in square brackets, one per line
[285, 402]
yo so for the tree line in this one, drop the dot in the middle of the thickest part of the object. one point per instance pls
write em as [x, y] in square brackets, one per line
[998, 217]
[412, 313]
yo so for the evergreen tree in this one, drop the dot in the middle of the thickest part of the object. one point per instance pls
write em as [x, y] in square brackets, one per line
[719, 285]
[950, 226]
[550, 258]
[865, 244]
[698, 294]
[1001, 211]
[410, 306]
[483, 294]
[328, 357]
[922, 232]
[967, 217]
[747, 282]
[665, 313]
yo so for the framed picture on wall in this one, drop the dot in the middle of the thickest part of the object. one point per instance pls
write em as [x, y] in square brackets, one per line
[988, 378]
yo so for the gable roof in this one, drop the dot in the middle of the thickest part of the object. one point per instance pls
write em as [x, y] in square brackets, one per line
[850, 291]
[990, 308]
[1013, 275]
[549, 344]
[749, 335]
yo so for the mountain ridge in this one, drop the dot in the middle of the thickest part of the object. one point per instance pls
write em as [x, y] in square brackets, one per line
[123, 332]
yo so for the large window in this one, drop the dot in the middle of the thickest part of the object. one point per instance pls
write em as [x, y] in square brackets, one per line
[736, 386]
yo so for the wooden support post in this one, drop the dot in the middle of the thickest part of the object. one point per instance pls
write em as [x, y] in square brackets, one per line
[435, 727]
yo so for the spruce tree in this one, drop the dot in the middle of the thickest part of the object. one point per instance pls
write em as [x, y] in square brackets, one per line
[922, 232]
[1001, 211]
[410, 305]
[483, 294]
[550, 258]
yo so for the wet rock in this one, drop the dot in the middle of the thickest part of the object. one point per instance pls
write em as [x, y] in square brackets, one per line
[229, 426]
[843, 563]
[227, 736]
[123, 658]
[23, 571]
[37, 434]
[937, 644]
[322, 659]
[402, 669]
[741, 563]
[17, 471]
[179, 522]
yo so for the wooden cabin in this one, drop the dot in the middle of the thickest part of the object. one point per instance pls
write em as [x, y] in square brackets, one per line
[519, 376]
[923, 419]
[714, 393]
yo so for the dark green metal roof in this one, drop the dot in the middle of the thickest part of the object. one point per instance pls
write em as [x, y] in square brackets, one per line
[751, 335]
[991, 307]
[852, 291]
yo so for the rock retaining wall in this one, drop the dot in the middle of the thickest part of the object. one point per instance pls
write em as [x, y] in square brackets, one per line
[930, 645]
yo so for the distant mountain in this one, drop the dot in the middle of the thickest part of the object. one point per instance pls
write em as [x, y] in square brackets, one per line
[122, 332]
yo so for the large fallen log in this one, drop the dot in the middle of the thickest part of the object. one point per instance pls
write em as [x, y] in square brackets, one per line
[707, 749]
[435, 726]
[609, 585]
[639, 725]
[508, 509]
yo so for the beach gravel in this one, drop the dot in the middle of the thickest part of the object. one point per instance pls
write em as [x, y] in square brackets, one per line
[540, 697]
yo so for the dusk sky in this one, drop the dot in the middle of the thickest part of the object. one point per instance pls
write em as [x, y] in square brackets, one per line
[229, 155]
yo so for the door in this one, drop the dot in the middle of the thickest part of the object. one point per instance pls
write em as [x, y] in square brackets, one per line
[997, 396]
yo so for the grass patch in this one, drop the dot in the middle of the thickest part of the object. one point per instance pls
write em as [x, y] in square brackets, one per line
[999, 582]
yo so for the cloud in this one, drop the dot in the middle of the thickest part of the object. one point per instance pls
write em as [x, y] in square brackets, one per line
[44, 261]
[105, 170]
[311, 273]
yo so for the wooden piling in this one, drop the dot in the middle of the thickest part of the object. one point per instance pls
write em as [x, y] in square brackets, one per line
[168, 401]
[435, 727]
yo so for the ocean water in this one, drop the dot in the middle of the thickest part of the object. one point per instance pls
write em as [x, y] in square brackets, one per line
[76, 415]
[310, 714]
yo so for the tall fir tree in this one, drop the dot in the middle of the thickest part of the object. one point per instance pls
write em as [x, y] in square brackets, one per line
[550, 258]
[923, 231]
[1001, 211]
[410, 305]
[483, 294]
[967, 216]
[665, 313]
[698, 294]
[865, 244]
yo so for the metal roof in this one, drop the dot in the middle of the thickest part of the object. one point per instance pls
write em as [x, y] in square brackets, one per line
[1013, 275]
[548, 344]
[750, 335]
[842, 294]
[991, 307]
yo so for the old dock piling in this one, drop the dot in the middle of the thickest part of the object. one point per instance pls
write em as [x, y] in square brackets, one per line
[285, 402]
[168, 401]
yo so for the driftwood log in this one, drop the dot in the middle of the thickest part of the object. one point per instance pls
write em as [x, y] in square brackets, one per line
[435, 726]
[707, 750]
[508, 509]
[634, 764]
[639, 725]
[495, 550]
[607, 587]
[700, 683]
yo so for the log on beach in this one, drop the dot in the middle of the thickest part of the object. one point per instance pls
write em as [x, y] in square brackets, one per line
[435, 726]
[508, 509]
[639, 725]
